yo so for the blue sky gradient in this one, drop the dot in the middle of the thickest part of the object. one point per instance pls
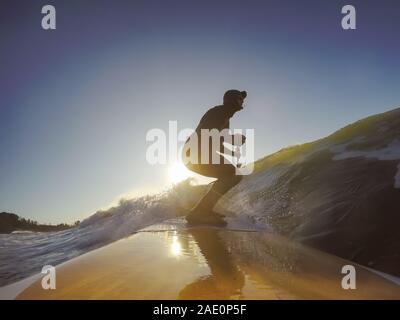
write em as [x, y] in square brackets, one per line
[76, 102]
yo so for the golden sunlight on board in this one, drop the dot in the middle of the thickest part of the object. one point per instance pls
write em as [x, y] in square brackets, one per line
[176, 247]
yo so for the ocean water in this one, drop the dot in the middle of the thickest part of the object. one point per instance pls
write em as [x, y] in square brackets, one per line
[25, 253]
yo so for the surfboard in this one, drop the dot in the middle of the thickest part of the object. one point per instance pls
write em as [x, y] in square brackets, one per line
[171, 261]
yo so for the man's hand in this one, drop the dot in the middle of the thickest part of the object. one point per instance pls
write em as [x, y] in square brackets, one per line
[236, 153]
[238, 139]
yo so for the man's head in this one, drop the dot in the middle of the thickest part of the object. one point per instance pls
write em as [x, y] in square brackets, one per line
[234, 99]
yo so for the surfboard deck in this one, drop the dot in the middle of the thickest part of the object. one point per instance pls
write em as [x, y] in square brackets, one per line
[171, 261]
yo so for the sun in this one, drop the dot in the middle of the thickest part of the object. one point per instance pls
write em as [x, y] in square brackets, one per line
[178, 172]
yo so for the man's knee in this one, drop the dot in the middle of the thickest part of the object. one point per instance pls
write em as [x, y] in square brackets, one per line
[223, 184]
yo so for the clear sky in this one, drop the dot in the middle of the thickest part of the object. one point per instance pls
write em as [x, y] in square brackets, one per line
[76, 103]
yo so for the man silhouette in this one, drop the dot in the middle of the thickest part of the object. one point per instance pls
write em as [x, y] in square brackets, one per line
[216, 118]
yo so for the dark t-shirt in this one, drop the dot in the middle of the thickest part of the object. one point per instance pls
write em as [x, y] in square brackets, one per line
[215, 118]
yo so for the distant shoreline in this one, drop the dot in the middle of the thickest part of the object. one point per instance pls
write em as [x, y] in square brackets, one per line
[11, 222]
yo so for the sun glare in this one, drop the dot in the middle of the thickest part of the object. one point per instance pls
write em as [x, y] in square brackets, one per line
[178, 172]
[176, 246]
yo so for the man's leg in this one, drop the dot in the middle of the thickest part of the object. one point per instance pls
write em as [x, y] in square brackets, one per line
[227, 179]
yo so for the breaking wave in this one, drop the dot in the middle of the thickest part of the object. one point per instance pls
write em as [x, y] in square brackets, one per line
[24, 254]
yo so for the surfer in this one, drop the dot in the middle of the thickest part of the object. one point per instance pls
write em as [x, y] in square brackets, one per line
[216, 118]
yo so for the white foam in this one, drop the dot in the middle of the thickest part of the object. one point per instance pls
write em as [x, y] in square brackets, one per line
[391, 152]
[24, 254]
[237, 200]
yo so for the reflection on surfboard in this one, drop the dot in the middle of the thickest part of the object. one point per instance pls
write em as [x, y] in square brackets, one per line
[225, 280]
